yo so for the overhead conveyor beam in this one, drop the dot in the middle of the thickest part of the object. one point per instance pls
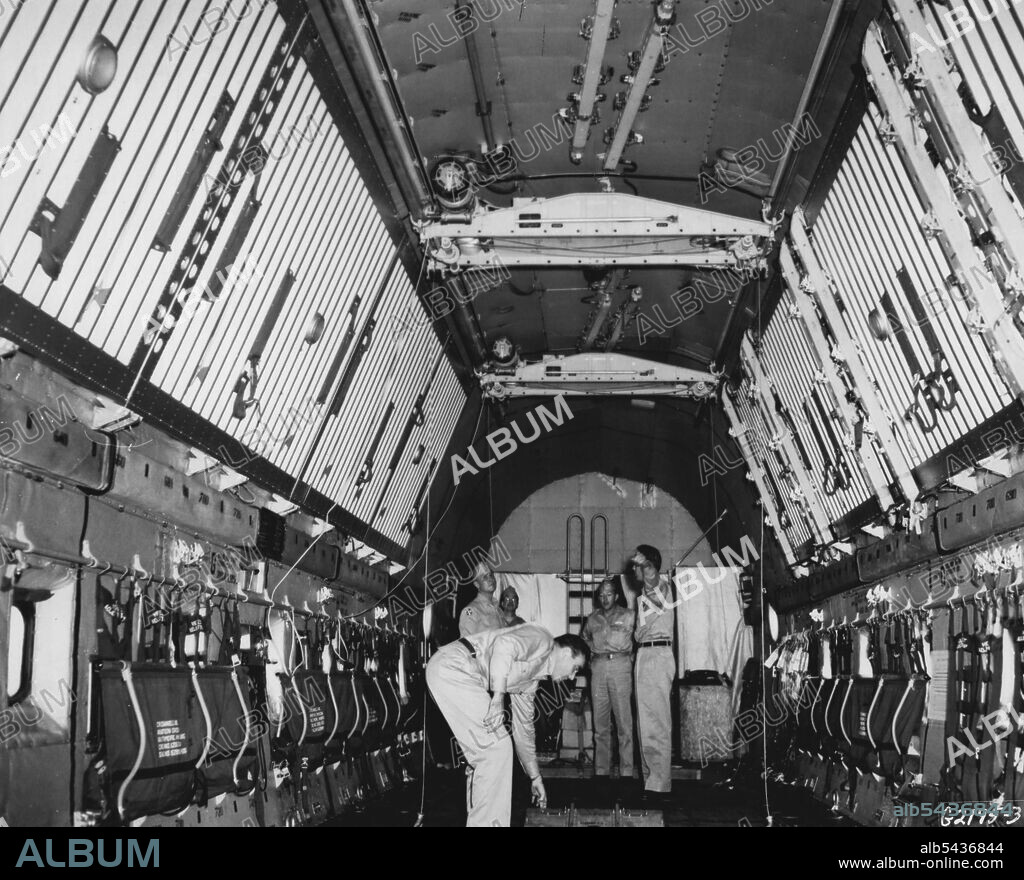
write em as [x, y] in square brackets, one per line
[595, 229]
[739, 432]
[654, 42]
[600, 33]
[873, 466]
[953, 234]
[783, 438]
[847, 351]
[593, 375]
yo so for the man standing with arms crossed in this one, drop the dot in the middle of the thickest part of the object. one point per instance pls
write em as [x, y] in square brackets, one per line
[655, 669]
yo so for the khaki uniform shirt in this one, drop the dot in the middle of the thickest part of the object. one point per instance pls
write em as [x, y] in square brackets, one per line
[610, 632]
[512, 661]
[655, 618]
[479, 615]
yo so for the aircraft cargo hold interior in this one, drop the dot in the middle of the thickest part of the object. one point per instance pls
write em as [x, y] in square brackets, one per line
[511, 413]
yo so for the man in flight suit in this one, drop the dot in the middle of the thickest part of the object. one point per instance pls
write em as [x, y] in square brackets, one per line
[483, 612]
[655, 668]
[608, 633]
[469, 679]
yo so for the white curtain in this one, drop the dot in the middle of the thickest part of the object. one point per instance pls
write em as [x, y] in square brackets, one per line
[709, 623]
[542, 599]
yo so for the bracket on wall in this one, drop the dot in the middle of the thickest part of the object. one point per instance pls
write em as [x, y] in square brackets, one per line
[109, 416]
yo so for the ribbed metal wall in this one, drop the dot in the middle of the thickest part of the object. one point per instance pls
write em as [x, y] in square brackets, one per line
[870, 229]
[988, 46]
[210, 209]
[790, 360]
[782, 485]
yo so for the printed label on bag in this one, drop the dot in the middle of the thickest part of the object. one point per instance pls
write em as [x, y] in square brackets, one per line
[170, 739]
[317, 722]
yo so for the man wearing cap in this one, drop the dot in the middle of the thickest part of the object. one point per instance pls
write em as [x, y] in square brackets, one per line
[483, 612]
[469, 679]
[655, 668]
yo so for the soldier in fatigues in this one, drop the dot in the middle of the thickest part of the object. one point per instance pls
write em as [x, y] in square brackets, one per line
[483, 612]
[469, 679]
[655, 669]
[609, 634]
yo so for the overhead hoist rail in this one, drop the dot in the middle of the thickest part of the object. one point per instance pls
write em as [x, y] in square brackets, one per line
[650, 58]
[601, 29]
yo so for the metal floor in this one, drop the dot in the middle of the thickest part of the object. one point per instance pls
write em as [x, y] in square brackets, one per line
[692, 804]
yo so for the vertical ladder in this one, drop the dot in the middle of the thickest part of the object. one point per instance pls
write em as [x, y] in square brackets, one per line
[580, 580]
[580, 577]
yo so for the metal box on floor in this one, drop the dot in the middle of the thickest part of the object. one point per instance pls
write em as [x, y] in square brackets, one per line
[705, 717]
[573, 817]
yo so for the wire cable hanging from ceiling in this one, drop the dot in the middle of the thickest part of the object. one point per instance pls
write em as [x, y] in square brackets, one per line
[429, 533]
[421, 815]
[761, 597]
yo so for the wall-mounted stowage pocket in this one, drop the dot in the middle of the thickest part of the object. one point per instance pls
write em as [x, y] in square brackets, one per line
[991, 512]
[309, 708]
[49, 437]
[154, 728]
[231, 761]
[896, 552]
[27, 514]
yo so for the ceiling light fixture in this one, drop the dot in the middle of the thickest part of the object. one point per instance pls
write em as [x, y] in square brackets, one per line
[99, 67]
